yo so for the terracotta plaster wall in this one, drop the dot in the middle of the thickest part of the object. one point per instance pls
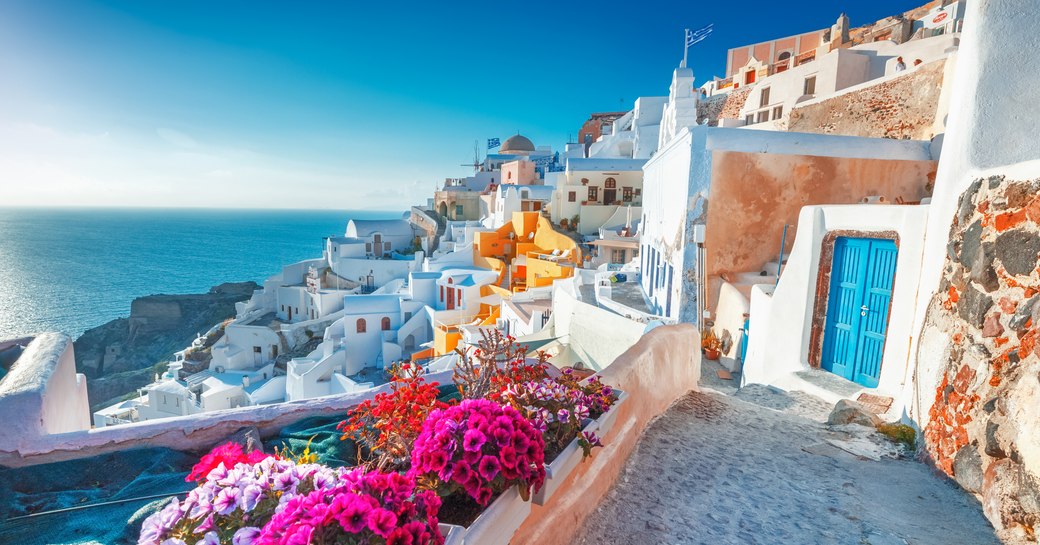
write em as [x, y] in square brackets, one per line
[754, 194]
[659, 369]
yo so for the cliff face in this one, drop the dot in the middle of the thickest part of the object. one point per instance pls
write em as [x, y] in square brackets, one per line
[119, 356]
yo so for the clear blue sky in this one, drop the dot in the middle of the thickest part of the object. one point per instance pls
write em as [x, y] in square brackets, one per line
[329, 104]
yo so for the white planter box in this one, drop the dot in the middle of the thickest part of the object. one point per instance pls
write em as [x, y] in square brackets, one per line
[606, 421]
[453, 535]
[561, 467]
[497, 524]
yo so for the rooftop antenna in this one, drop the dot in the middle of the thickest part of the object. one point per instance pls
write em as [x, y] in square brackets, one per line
[476, 157]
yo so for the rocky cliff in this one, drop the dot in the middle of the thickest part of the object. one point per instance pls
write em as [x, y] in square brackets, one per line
[123, 354]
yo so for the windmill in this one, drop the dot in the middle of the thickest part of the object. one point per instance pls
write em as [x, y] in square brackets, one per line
[477, 163]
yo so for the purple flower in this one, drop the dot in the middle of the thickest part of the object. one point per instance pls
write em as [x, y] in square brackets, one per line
[209, 539]
[285, 481]
[246, 536]
[226, 500]
[174, 541]
[251, 495]
[207, 525]
[473, 440]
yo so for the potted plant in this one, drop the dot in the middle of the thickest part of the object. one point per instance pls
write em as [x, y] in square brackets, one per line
[261, 499]
[711, 345]
[474, 451]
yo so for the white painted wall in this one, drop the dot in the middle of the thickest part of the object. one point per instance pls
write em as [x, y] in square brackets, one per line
[991, 128]
[782, 320]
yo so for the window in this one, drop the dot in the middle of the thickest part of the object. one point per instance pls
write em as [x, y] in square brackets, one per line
[458, 210]
[626, 194]
[385, 323]
[593, 194]
[256, 349]
[572, 196]
[283, 308]
[784, 56]
[386, 247]
[610, 183]
[442, 294]
[763, 116]
[377, 238]
[750, 119]
[778, 112]
[639, 191]
[764, 97]
[368, 247]
[362, 326]
[810, 86]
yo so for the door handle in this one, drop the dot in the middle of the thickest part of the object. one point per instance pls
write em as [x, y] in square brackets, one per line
[863, 310]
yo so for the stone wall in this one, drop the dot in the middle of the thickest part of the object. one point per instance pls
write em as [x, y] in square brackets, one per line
[904, 108]
[725, 106]
[982, 428]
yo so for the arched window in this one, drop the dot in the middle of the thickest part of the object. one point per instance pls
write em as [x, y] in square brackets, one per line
[610, 183]
[361, 325]
[783, 56]
[386, 323]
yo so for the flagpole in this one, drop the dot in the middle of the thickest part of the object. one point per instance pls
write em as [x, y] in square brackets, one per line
[686, 46]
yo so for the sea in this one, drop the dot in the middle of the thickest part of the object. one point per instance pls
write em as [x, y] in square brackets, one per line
[72, 269]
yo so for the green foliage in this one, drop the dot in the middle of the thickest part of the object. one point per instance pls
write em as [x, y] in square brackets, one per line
[900, 433]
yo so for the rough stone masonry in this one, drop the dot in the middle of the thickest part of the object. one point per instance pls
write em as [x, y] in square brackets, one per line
[982, 428]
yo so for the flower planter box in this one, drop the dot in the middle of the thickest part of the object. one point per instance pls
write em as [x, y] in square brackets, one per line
[560, 468]
[497, 524]
[606, 421]
[453, 535]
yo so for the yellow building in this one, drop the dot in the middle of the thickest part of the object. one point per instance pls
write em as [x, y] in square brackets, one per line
[527, 253]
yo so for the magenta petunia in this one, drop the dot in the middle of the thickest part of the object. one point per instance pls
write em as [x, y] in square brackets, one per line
[488, 468]
[382, 522]
[473, 440]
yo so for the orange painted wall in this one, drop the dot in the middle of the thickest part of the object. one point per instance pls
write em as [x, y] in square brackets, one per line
[754, 194]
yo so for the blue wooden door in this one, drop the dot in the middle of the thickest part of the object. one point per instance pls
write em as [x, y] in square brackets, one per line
[860, 295]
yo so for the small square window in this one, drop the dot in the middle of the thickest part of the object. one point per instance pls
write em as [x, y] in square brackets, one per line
[572, 196]
[778, 112]
[810, 86]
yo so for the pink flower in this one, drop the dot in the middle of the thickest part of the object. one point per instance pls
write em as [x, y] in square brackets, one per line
[400, 536]
[382, 522]
[354, 515]
[489, 467]
[473, 440]
[483, 496]
[508, 457]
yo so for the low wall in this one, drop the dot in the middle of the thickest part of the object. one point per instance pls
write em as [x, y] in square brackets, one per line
[194, 432]
[659, 369]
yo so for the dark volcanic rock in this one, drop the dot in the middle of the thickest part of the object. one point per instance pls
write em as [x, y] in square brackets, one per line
[1017, 250]
[119, 356]
[971, 243]
[973, 306]
[1024, 313]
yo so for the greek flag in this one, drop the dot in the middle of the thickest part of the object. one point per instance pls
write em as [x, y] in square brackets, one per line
[698, 35]
[494, 143]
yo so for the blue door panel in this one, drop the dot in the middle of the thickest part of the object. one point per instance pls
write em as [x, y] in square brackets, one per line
[862, 277]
